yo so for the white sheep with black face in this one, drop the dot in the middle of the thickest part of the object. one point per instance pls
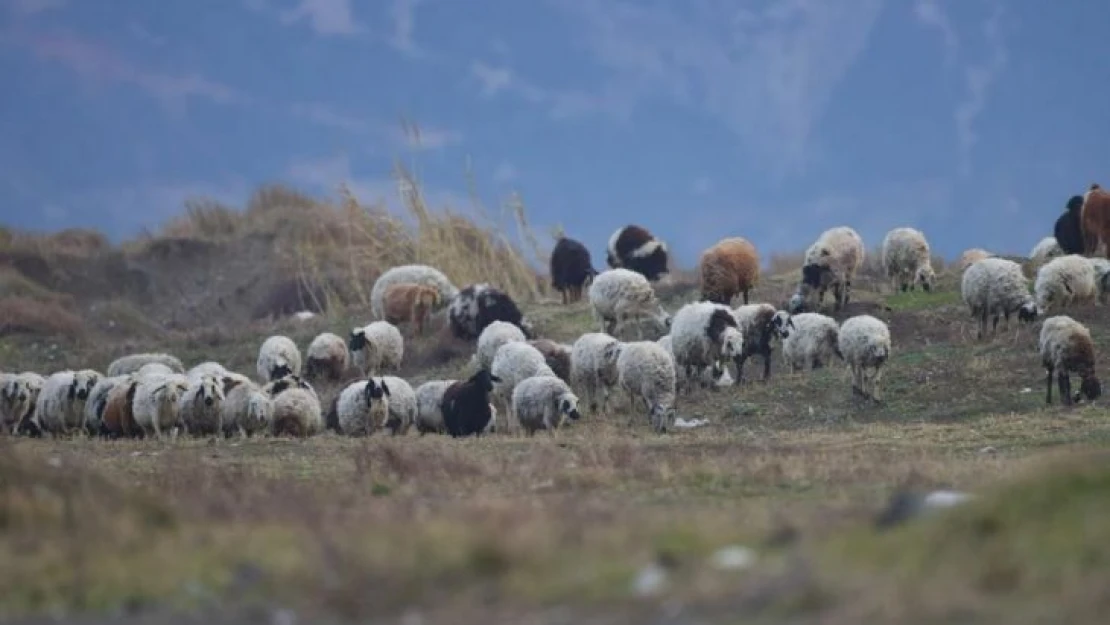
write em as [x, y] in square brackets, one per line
[19, 392]
[377, 348]
[200, 407]
[702, 336]
[277, 358]
[60, 408]
[361, 408]
[402, 404]
[514, 363]
[760, 325]
[544, 403]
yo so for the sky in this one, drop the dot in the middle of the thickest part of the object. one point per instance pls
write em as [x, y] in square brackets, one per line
[972, 120]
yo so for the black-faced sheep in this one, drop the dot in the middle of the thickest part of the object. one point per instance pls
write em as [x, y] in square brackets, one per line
[703, 334]
[865, 344]
[479, 305]
[544, 403]
[409, 274]
[633, 247]
[360, 408]
[410, 303]
[831, 262]
[132, 362]
[1068, 228]
[377, 348]
[19, 392]
[996, 287]
[571, 269]
[278, 357]
[60, 408]
[200, 407]
[728, 269]
[1065, 281]
[1066, 347]
[907, 259]
[513, 363]
[327, 358]
[466, 408]
[618, 296]
[402, 404]
[760, 325]
[296, 408]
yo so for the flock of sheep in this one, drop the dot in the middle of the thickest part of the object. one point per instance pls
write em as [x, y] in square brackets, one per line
[537, 383]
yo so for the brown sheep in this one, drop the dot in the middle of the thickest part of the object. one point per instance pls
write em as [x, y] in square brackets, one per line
[1095, 220]
[556, 355]
[410, 302]
[728, 268]
[118, 419]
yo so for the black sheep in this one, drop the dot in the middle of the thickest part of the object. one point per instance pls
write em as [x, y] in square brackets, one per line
[636, 249]
[1068, 231]
[465, 405]
[571, 268]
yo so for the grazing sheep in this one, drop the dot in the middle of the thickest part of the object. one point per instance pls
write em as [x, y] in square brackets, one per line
[1094, 219]
[513, 363]
[713, 376]
[60, 408]
[832, 261]
[813, 342]
[429, 411]
[412, 303]
[1045, 250]
[1068, 228]
[118, 417]
[246, 409]
[132, 362]
[277, 358]
[296, 408]
[360, 408]
[19, 393]
[200, 407]
[571, 269]
[556, 355]
[703, 334]
[1065, 281]
[620, 295]
[493, 337]
[647, 373]
[544, 403]
[592, 374]
[1066, 346]
[377, 348]
[997, 287]
[154, 406]
[326, 358]
[207, 368]
[760, 325]
[98, 400]
[971, 256]
[466, 407]
[865, 345]
[633, 247]
[402, 404]
[479, 305]
[729, 268]
[908, 260]
[1102, 277]
[409, 274]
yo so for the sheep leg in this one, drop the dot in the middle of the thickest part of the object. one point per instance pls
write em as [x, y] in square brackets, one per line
[745, 297]
[1048, 386]
[1064, 382]
[766, 363]
[982, 323]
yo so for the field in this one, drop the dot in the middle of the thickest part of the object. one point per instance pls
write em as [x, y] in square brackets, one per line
[554, 529]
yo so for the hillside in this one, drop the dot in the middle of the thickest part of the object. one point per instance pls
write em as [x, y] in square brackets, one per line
[552, 529]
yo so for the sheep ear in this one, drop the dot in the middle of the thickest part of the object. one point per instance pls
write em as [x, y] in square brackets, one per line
[385, 389]
[230, 383]
[73, 390]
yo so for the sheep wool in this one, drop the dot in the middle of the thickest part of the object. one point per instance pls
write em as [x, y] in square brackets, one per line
[493, 337]
[278, 357]
[1066, 347]
[327, 357]
[647, 373]
[514, 363]
[1065, 281]
[429, 412]
[19, 392]
[132, 362]
[813, 342]
[865, 344]
[377, 348]
[200, 407]
[207, 368]
[907, 259]
[362, 407]
[571, 268]
[760, 325]
[544, 403]
[60, 408]
[98, 400]
[410, 303]
[971, 256]
[297, 410]
[618, 296]
[729, 268]
[154, 407]
[402, 404]
[247, 410]
[831, 262]
[592, 373]
[1045, 250]
[703, 333]
[409, 274]
[996, 287]
[556, 355]
[153, 368]
[1102, 277]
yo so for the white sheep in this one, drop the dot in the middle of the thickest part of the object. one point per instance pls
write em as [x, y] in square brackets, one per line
[864, 342]
[760, 325]
[702, 335]
[1102, 278]
[492, 337]
[647, 373]
[411, 274]
[513, 363]
[402, 404]
[327, 357]
[19, 392]
[831, 262]
[544, 403]
[154, 407]
[98, 398]
[296, 407]
[1065, 281]
[1045, 250]
[716, 375]
[813, 342]
[278, 357]
[361, 407]
[377, 348]
[60, 408]
[132, 362]
[209, 367]
[154, 368]
[907, 259]
[429, 414]
[591, 373]
[620, 295]
[1066, 346]
[246, 409]
[200, 407]
[996, 287]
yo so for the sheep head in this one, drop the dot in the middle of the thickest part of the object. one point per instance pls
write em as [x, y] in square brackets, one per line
[357, 339]
[568, 406]
[375, 390]
[926, 277]
[782, 323]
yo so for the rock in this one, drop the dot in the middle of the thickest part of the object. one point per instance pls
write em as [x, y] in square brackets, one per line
[733, 558]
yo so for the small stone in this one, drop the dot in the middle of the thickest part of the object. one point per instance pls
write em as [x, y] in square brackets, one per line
[733, 558]
[988, 450]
